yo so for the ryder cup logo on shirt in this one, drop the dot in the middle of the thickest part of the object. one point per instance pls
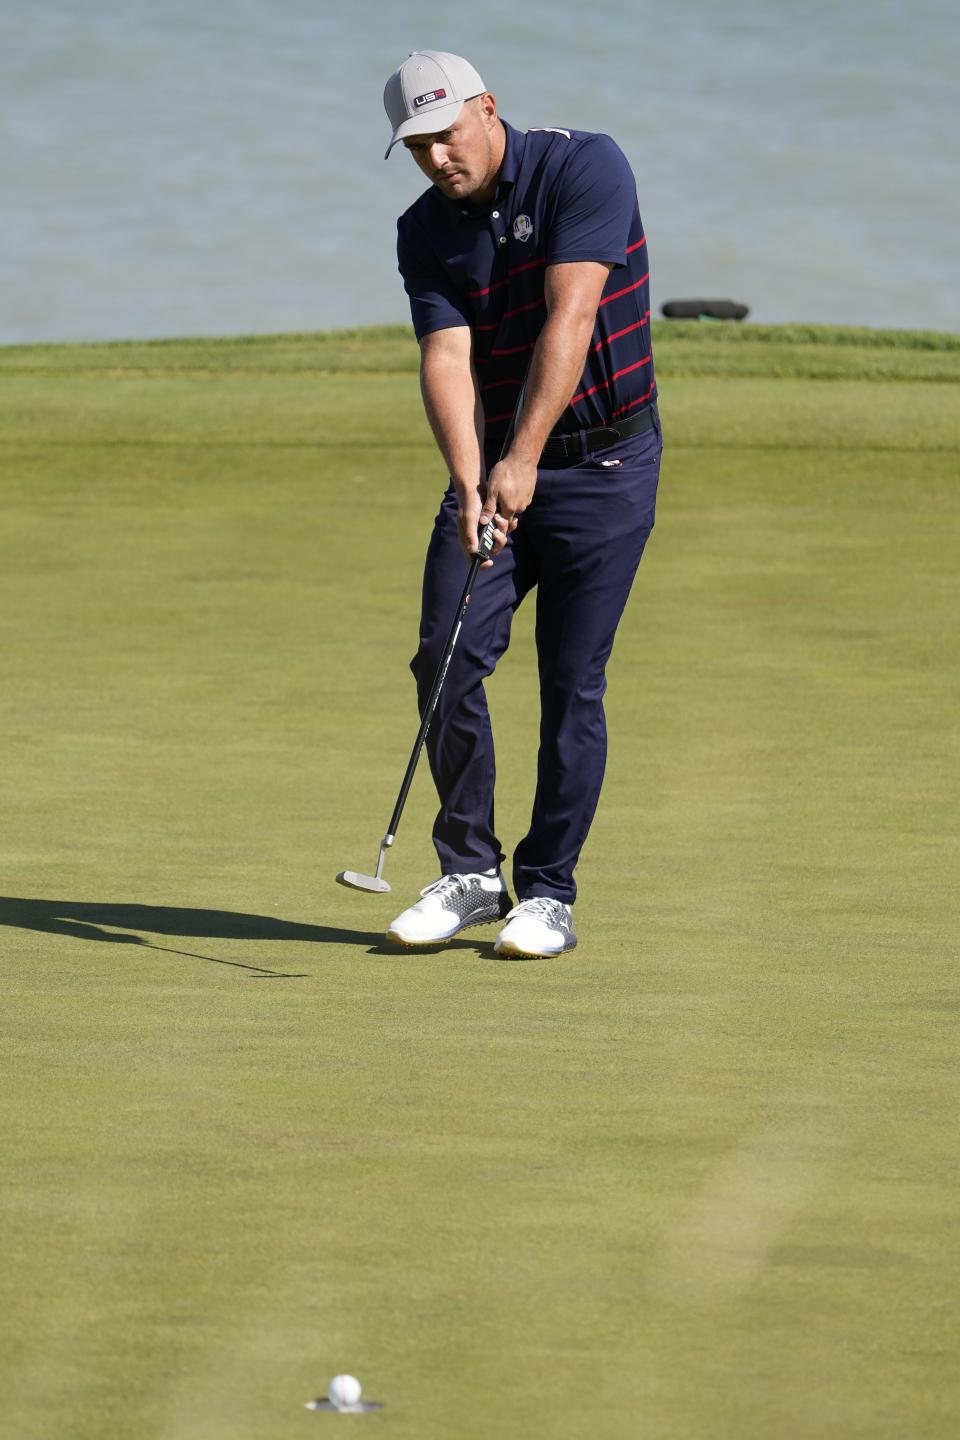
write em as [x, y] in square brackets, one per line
[429, 98]
[522, 228]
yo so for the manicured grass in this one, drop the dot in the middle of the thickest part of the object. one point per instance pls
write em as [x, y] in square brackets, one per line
[696, 1179]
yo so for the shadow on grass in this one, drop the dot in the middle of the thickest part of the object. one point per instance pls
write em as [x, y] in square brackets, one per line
[83, 920]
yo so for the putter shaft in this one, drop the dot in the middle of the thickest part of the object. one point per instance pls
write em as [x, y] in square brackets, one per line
[484, 551]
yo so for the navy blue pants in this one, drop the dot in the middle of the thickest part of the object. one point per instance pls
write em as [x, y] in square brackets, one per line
[579, 542]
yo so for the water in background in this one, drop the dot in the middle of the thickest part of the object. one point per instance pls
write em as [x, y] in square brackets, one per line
[170, 169]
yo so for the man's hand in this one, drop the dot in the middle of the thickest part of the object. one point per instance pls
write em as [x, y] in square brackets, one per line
[471, 522]
[509, 490]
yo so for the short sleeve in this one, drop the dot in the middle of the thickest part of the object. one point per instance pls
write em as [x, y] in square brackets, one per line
[434, 301]
[595, 205]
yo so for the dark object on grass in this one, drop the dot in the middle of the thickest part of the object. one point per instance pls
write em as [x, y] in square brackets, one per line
[704, 310]
[361, 1407]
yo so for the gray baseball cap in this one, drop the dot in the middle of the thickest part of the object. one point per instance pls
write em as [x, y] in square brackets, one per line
[426, 93]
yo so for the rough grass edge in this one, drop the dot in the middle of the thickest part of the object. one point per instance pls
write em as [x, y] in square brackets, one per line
[717, 332]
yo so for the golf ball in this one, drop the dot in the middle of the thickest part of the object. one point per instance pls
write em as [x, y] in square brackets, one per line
[344, 1390]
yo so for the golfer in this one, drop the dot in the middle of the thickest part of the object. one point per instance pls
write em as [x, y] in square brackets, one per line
[526, 266]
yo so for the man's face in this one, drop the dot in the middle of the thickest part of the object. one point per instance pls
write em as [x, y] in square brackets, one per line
[463, 161]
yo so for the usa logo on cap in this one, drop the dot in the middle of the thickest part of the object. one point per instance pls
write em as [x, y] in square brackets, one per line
[429, 98]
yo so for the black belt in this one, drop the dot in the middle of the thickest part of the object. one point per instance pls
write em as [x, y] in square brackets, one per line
[571, 446]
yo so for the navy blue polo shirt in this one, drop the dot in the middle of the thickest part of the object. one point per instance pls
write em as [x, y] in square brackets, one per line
[562, 196]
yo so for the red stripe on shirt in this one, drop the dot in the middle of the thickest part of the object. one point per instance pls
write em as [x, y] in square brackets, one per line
[626, 291]
[637, 325]
[498, 384]
[534, 305]
[517, 270]
[476, 294]
[605, 383]
[636, 245]
[622, 410]
[508, 415]
[513, 349]
[530, 265]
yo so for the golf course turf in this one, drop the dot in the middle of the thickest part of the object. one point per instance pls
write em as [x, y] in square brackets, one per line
[696, 1180]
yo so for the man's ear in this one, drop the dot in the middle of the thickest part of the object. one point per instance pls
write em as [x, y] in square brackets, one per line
[488, 107]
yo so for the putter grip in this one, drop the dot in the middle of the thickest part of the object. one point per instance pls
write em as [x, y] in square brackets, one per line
[485, 540]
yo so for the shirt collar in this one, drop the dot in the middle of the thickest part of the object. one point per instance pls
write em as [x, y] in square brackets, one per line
[512, 155]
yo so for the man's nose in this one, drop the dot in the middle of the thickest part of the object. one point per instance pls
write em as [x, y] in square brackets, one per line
[437, 155]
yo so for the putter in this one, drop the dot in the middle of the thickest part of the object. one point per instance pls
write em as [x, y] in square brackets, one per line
[353, 879]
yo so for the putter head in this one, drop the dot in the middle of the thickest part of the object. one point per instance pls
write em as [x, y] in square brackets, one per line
[355, 881]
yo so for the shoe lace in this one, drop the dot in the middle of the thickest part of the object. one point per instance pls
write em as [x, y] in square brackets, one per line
[446, 885]
[544, 907]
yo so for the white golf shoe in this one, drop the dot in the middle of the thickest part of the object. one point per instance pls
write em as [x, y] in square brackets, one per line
[449, 905]
[538, 927]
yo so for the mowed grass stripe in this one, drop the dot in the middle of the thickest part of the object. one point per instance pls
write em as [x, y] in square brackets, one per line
[344, 414]
[682, 348]
[708, 1158]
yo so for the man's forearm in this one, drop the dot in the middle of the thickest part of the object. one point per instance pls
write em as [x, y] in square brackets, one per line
[555, 371]
[452, 403]
[572, 293]
[451, 398]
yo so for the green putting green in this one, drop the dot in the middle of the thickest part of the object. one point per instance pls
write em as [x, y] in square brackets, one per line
[696, 1180]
